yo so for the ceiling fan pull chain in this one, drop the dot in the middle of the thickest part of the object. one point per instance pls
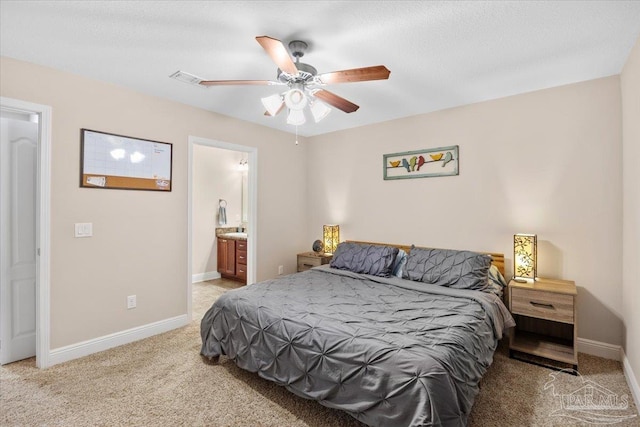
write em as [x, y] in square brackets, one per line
[296, 134]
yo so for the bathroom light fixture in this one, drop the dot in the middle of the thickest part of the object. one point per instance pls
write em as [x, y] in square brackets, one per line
[525, 254]
[331, 237]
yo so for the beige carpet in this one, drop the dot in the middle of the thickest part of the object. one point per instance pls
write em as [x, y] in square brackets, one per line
[163, 381]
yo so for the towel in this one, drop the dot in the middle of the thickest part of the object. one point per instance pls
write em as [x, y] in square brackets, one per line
[222, 214]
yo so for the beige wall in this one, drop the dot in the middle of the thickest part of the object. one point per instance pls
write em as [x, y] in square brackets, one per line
[630, 82]
[547, 162]
[215, 176]
[140, 238]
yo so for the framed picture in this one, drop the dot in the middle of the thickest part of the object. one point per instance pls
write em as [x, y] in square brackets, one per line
[115, 161]
[425, 163]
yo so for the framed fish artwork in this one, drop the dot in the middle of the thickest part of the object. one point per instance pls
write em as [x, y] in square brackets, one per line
[425, 163]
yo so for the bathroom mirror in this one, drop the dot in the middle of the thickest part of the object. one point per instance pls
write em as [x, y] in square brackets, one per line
[245, 199]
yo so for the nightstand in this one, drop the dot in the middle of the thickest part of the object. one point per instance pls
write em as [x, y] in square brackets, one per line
[307, 260]
[546, 320]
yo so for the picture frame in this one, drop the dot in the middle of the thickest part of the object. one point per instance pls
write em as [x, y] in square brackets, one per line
[111, 161]
[426, 163]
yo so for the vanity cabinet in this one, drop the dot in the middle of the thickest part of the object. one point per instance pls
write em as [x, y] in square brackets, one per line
[232, 259]
[226, 257]
[241, 260]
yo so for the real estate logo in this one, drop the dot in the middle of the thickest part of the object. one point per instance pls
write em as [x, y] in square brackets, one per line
[590, 402]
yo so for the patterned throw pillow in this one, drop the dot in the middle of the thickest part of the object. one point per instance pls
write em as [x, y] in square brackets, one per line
[399, 263]
[496, 281]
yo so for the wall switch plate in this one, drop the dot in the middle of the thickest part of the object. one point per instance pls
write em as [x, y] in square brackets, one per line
[280, 269]
[83, 229]
[131, 301]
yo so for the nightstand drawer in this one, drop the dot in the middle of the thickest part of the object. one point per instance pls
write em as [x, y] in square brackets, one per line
[543, 305]
[306, 262]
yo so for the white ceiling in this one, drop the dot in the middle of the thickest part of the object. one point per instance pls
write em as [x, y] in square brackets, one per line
[441, 54]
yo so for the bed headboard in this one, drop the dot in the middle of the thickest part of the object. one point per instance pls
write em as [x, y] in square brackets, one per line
[497, 259]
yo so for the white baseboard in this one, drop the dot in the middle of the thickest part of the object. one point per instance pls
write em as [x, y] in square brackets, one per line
[600, 349]
[201, 277]
[614, 352]
[85, 348]
[631, 379]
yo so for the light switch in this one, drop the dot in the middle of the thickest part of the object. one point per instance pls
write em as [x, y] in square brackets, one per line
[83, 229]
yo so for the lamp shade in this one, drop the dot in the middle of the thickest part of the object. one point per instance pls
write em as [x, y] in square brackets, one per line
[272, 103]
[331, 237]
[525, 254]
[295, 99]
[296, 117]
[319, 110]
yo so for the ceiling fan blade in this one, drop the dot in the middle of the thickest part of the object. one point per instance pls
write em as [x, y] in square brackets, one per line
[236, 82]
[279, 54]
[378, 72]
[336, 101]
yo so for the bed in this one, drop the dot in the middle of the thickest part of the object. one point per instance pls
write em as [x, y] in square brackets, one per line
[392, 339]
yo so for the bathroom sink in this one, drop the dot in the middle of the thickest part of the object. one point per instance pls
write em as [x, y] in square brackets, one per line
[236, 235]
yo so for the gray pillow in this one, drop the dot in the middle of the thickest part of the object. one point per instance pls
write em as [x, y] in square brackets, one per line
[363, 258]
[446, 267]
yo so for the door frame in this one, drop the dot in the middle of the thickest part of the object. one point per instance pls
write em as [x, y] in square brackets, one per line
[43, 222]
[252, 190]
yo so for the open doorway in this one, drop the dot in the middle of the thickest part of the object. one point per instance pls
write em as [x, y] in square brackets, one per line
[25, 230]
[220, 174]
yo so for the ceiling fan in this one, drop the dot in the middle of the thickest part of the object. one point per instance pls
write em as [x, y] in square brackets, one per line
[304, 84]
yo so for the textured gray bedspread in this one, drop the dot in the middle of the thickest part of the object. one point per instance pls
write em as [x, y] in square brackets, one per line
[390, 352]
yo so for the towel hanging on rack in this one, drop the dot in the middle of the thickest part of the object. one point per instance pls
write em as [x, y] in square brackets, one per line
[222, 212]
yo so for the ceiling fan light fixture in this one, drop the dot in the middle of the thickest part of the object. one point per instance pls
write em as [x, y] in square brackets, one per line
[272, 103]
[296, 117]
[302, 80]
[295, 99]
[319, 110]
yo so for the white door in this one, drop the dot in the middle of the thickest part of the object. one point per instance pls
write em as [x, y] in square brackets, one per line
[18, 173]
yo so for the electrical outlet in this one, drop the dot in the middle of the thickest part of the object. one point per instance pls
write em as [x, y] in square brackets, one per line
[131, 301]
[280, 269]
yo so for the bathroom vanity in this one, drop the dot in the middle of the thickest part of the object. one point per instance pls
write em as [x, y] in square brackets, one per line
[232, 254]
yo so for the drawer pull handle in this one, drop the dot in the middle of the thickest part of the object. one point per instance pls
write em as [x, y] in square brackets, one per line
[308, 265]
[541, 305]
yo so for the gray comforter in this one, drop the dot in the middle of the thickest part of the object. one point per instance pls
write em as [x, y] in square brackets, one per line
[388, 351]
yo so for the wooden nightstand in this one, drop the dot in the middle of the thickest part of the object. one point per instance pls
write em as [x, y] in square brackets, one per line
[307, 260]
[546, 320]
